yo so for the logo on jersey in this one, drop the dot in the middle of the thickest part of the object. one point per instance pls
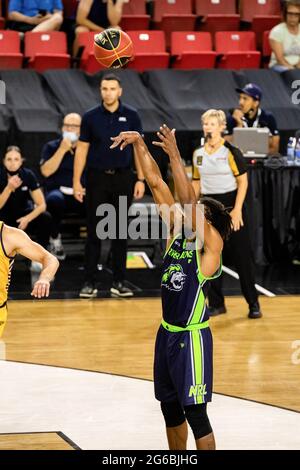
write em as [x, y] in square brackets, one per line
[173, 278]
[199, 160]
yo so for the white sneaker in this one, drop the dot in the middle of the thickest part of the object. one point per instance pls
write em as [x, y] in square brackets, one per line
[56, 248]
[36, 267]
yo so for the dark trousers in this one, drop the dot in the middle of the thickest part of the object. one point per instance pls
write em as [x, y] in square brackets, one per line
[238, 249]
[40, 227]
[103, 188]
[59, 204]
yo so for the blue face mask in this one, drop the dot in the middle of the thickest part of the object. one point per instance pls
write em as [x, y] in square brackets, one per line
[72, 136]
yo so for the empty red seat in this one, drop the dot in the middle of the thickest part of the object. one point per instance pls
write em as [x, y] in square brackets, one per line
[212, 7]
[266, 49]
[238, 50]
[251, 8]
[149, 50]
[192, 50]
[134, 15]
[46, 50]
[173, 15]
[261, 23]
[220, 22]
[10, 55]
[88, 62]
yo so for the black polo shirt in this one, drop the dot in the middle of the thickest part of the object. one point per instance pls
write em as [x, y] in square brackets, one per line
[98, 126]
[262, 119]
[63, 176]
[20, 200]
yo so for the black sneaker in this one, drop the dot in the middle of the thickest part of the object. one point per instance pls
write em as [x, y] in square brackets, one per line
[254, 311]
[118, 289]
[214, 311]
[88, 291]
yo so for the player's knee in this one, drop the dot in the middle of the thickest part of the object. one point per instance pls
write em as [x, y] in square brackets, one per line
[173, 413]
[197, 418]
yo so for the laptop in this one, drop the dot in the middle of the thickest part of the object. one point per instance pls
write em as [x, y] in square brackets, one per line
[252, 141]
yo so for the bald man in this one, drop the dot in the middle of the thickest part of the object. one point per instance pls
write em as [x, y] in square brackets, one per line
[57, 161]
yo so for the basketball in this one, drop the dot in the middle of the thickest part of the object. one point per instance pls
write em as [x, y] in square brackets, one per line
[113, 48]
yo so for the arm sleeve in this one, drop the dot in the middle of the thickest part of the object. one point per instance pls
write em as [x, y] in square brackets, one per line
[46, 154]
[57, 5]
[276, 34]
[33, 183]
[85, 129]
[272, 124]
[237, 161]
[14, 5]
[195, 172]
[231, 124]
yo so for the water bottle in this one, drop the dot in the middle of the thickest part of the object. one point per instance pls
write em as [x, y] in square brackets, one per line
[297, 153]
[290, 151]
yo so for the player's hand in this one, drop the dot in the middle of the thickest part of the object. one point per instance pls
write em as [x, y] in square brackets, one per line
[168, 140]
[66, 144]
[237, 219]
[238, 115]
[124, 139]
[23, 223]
[41, 288]
[14, 182]
[139, 190]
[79, 191]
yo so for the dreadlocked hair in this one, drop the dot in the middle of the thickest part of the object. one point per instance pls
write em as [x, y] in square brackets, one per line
[218, 215]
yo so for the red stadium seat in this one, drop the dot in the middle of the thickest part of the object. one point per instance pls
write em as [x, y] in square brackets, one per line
[251, 8]
[134, 15]
[10, 55]
[263, 23]
[173, 15]
[266, 49]
[221, 22]
[46, 50]
[192, 50]
[2, 23]
[88, 62]
[212, 7]
[149, 50]
[238, 50]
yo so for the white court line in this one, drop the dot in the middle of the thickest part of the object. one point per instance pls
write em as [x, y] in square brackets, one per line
[257, 286]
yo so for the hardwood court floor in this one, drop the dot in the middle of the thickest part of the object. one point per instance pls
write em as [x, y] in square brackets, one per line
[253, 359]
[36, 441]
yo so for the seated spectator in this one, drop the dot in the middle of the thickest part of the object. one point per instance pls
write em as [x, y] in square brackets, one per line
[97, 15]
[35, 15]
[285, 39]
[22, 202]
[250, 114]
[57, 163]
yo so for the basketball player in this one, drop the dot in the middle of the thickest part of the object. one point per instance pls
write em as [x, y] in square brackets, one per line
[14, 241]
[183, 351]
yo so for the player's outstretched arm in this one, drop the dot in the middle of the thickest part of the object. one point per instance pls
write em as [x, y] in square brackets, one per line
[18, 242]
[160, 190]
[183, 186]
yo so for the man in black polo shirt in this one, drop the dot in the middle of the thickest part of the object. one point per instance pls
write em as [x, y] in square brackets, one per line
[250, 114]
[57, 162]
[109, 175]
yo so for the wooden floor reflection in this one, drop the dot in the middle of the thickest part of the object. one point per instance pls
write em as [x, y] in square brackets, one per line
[253, 359]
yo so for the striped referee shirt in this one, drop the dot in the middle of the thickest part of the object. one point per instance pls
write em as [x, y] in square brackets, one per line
[217, 171]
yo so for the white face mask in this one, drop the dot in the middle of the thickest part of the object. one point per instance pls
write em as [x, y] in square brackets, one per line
[72, 136]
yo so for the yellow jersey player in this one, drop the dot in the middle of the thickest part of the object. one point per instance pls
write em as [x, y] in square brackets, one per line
[12, 242]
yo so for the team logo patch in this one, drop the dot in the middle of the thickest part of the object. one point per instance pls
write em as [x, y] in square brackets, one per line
[199, 160]
[173, 278]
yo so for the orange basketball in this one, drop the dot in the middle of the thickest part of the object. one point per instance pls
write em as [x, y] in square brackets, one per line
[113, 48]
